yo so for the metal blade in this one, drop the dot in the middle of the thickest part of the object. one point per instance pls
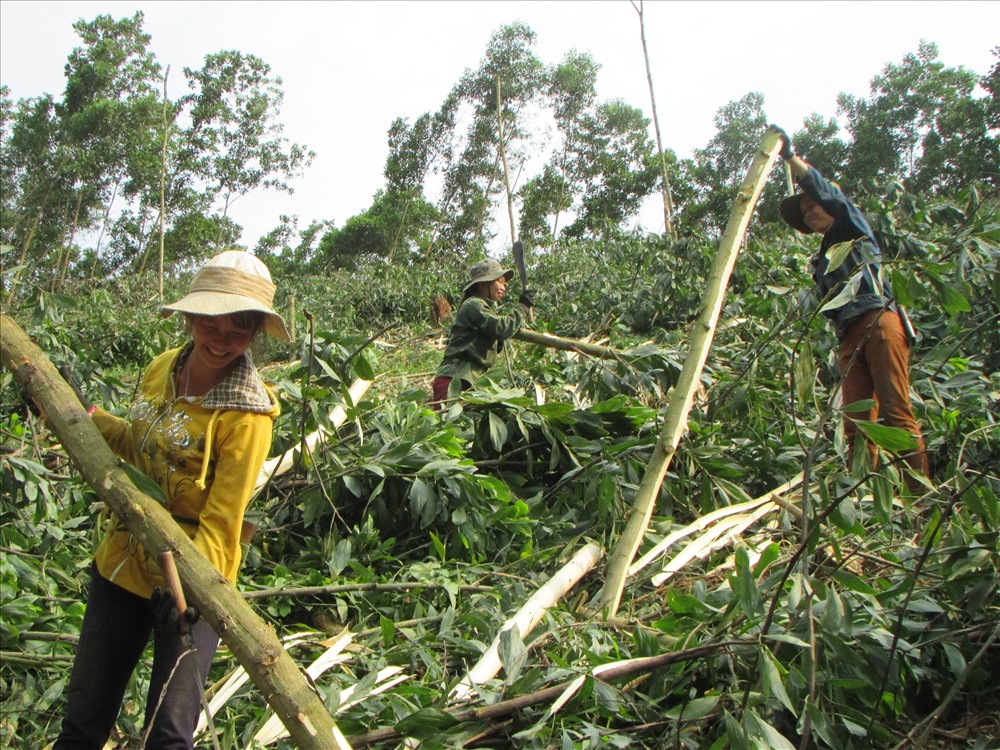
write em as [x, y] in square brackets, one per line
[518, 251]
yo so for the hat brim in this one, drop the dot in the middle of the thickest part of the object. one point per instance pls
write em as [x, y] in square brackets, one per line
[791, 212]
[213, 303]
[505, 273]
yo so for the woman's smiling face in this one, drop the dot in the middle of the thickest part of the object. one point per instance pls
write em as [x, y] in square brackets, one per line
[496, 288]
[218, 341]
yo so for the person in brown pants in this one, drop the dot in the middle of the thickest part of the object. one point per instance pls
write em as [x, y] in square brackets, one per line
[874, 354]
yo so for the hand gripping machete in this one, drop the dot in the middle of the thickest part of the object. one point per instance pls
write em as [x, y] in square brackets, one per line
[518, 251]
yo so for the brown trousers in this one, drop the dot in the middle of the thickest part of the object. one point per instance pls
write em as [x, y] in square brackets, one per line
[875, 364]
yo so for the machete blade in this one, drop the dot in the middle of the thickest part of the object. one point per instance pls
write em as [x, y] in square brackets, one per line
[518, 251]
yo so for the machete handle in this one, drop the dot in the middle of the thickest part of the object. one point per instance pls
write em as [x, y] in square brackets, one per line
[172, 579]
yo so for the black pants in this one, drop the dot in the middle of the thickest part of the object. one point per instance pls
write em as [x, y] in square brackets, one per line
[116, 629]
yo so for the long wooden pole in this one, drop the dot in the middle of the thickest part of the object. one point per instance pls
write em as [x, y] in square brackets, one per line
[252, 641]
[682, 398]
[567, 345]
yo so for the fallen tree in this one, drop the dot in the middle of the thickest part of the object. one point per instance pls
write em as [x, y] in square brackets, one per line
[252, 641]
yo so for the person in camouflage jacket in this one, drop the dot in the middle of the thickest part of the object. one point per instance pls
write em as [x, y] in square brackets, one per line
[478, 332]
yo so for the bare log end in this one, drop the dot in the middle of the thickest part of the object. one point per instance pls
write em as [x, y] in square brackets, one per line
[303, 719]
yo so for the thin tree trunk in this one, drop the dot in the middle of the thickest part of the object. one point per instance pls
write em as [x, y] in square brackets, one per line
[528, 616]
[59, 252]
[503, 159]
[11, 296]
[163, 173]
[64, 261]
[682, 398]
[104, 227]
[668, 203]
[251, 640]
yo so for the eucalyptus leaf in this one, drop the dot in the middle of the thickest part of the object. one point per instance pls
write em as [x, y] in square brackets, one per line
[837, 254]
[893, 439]
[144, 483]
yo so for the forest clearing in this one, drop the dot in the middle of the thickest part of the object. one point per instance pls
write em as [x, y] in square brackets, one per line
[644, 526]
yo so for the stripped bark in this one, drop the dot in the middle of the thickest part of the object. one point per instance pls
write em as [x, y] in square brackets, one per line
[278, 465]
[682, 397]
[251, 640]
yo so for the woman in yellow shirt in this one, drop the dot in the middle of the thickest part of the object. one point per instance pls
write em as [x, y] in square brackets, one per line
[201, 428]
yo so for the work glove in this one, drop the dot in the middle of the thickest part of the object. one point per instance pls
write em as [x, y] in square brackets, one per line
[527, 298]
[786, 152]
[166, 619]
[68, 377]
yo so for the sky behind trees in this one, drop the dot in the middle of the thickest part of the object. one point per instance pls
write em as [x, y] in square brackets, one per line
[349, 68]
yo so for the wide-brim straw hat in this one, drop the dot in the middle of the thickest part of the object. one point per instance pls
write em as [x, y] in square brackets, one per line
[487, 270]
[233, 281]
[791, 212]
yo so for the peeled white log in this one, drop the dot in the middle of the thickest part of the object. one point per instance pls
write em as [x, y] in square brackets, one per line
[709, 518]
[716, 537]
[682, 398]
[278, 465]
[528, 616]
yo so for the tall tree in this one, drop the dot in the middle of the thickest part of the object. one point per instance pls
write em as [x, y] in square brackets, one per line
[922, 123]
[109, 117]
[715, 170]
[234, 140]
[472, 179]
[611, 157]
[33, 188]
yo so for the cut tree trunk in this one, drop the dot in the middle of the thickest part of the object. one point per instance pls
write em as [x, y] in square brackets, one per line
[567, 345]
[252, 641]
[682, 397]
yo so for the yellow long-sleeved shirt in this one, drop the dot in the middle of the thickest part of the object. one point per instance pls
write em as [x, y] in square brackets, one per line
[204, 453]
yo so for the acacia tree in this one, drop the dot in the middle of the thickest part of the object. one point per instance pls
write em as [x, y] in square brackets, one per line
[922, 123]
[32, 186]
[69, 159]
[572, 91]
[108, 118]
[472, 175]
[595, 158]
[611, 157]
[234, 140]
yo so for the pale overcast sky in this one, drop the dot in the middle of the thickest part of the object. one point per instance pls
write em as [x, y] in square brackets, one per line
[349, 67]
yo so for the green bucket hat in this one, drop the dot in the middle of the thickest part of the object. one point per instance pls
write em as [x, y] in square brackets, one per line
[486, 270]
